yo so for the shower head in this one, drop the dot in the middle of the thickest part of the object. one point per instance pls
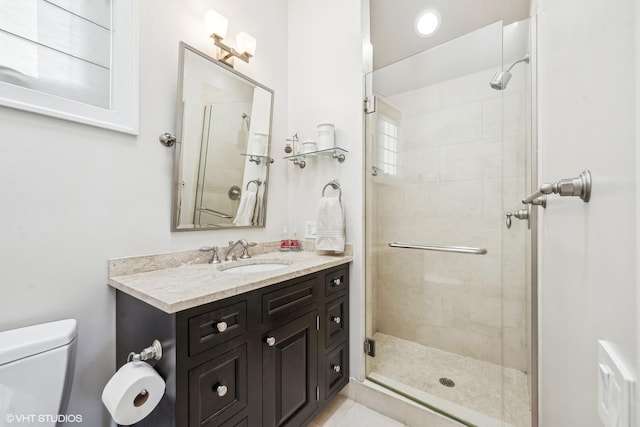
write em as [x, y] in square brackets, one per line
[501, 79]
[247, 120]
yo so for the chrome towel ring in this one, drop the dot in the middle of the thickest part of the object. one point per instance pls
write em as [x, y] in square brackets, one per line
[257, 182]
[335, 184]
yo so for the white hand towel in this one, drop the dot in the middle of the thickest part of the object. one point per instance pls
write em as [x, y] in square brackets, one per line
[330, 225]
[258, 214]
[246, 208]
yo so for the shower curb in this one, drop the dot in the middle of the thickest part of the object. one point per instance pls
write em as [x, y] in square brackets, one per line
[395, 406]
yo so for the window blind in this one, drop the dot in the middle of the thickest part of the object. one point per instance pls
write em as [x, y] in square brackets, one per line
[60, 47]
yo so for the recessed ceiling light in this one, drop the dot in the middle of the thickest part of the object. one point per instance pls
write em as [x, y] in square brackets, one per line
[427, 23]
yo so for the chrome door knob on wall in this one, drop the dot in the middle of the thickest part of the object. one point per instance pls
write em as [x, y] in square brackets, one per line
[579, 186]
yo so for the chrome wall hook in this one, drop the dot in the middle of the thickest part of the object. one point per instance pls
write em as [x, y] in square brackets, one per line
[579, 186]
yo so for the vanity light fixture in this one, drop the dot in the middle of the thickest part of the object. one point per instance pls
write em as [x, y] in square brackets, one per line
[216, 26]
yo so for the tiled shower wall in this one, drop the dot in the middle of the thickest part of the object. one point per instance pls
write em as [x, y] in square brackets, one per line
[461, 165]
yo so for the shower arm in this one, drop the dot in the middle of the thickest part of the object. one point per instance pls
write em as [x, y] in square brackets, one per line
[525, 59]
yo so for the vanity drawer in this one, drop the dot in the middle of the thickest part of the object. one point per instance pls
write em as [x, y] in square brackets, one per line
[335, 370]
[336, 281]
[218, 388]
[217, 326]
[335, 321]
[287, 301]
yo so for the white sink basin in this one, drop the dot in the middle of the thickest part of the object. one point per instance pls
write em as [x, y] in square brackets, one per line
[254, 268]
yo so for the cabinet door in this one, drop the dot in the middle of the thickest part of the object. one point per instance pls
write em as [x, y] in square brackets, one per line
[336, 316]
[335, 370]
[290, 374]
[218, 388]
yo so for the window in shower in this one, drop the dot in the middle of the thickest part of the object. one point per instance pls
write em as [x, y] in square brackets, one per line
[387, 145]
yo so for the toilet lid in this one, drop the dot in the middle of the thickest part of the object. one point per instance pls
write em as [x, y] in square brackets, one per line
[19, 343]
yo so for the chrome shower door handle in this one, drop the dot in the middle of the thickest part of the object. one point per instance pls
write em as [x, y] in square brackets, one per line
[519, 214]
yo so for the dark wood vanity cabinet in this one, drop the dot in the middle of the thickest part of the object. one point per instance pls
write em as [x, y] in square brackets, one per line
[270, 357]
[290, 372]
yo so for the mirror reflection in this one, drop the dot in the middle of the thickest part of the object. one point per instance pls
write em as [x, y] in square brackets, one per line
[222, 155]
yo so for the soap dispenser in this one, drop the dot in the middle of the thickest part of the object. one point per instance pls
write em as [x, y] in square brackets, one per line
[284, 242]
[293, 242]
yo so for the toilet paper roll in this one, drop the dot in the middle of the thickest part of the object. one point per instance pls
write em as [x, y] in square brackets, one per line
[133, 392]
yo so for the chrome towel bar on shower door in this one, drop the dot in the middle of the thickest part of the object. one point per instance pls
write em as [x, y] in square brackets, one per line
[455, 249]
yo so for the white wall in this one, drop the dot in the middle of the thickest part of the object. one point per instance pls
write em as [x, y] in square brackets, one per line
[74, 196]
[325, 85]
[587, 251]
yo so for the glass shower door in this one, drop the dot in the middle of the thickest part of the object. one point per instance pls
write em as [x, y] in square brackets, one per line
[439, 157]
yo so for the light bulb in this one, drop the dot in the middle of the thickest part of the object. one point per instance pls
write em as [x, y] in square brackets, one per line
[246, 43]
[215, 24]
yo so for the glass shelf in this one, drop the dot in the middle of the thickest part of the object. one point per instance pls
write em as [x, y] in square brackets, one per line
[336, 153]
[257, 159]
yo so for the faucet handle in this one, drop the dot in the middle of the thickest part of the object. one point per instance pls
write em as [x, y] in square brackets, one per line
[215, 259]
[214, 249]
[230, 242]
[245, 250]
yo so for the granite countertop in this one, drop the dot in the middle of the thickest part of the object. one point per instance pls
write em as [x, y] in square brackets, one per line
[175, 282]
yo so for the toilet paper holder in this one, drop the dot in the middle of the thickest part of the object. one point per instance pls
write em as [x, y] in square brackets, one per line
[154, 351]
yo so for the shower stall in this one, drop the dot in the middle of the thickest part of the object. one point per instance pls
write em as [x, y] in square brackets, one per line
[449, 289]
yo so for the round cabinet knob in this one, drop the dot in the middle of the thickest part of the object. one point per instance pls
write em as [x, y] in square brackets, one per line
[271, 341]
[336, 368]
[221, 390]
[337, 281]
[337, 320]
[222, 326]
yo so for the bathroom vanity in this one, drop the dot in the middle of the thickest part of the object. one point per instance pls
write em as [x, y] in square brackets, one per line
[266, 348]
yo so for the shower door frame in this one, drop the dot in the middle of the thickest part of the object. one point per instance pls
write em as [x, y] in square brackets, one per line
[533, 174]
[532, 181]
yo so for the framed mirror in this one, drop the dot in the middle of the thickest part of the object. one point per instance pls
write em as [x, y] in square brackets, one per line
[223, 141]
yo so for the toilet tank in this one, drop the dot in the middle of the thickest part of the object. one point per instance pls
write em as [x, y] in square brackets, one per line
[36, 373]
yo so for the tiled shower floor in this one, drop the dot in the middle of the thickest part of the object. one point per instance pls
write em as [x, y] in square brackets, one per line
[415, 369]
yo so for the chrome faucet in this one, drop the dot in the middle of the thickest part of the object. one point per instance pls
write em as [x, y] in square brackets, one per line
[245, 250]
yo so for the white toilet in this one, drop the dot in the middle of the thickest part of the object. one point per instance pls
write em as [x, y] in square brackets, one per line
[36, 372]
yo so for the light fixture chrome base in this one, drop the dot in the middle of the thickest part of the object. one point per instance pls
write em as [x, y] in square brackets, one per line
[227, 53]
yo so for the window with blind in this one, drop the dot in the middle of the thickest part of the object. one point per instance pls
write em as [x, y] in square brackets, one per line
[73, 59]
[387, 145]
